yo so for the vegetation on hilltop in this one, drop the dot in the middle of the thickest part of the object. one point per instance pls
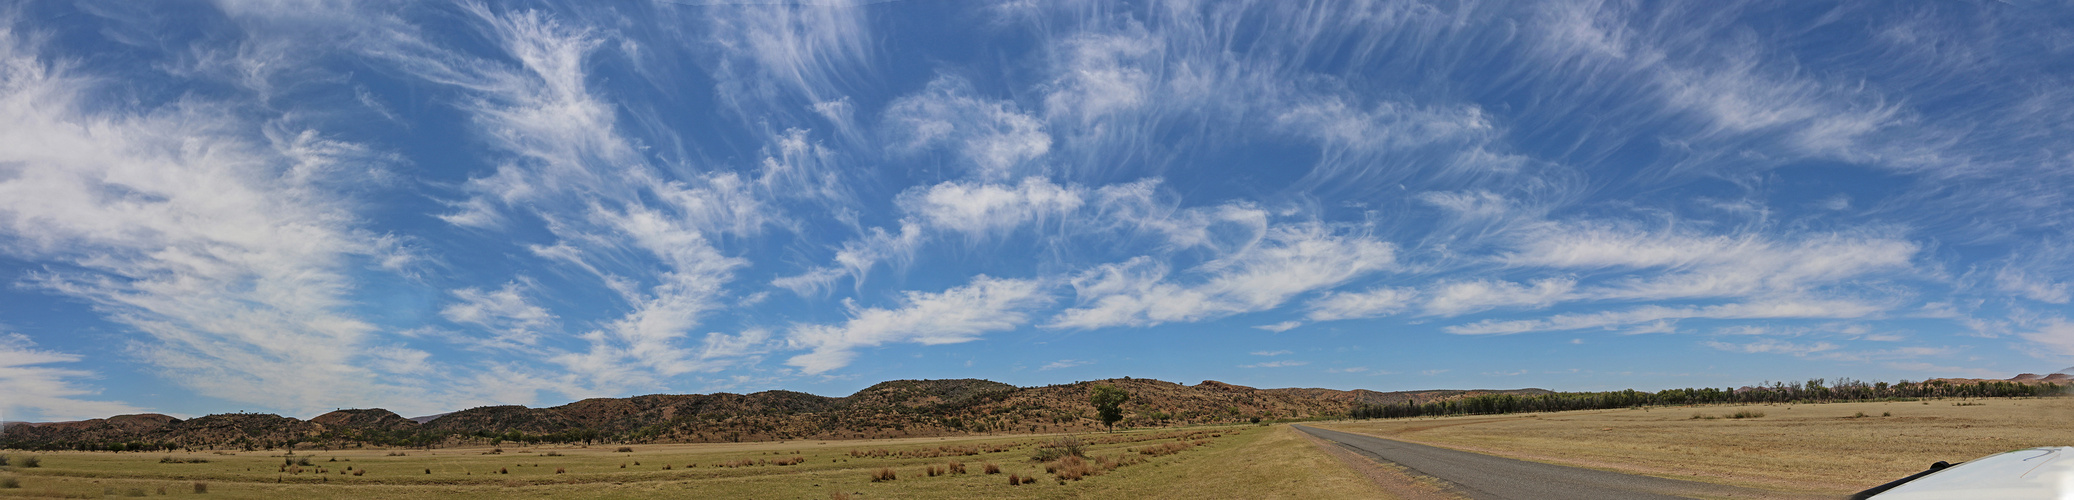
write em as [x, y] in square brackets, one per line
[1817, 390]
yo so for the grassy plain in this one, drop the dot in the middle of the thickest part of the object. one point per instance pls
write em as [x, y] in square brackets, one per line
[1823, 449]
[1230, 462]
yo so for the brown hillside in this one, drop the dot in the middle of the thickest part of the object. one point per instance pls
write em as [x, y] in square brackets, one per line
[374, 418]
[899, 408]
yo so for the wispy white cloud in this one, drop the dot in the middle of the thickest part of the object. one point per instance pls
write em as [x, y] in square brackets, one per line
[1280, 327]
[1380, 301]
[512, 319]
[1282, 262]
[1276, 364]
[1063, 364]
[1461, 297]
[1774, 346]
[991, 138]
[1651, 314]
[2054, 336]
[1694, 265]
[1272, 353]
[960, 314]
[37, 391]
[224, 238]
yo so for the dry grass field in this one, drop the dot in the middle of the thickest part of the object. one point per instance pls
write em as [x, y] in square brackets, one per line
[1797, 449]
[1209, 462]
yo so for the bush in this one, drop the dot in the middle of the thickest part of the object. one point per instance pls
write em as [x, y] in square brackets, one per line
[1061, 448]
[3, 460]
[1015, 480]
[625, 449]
[201, 487]
[553, 454]
[957, 467]
[10, 483]
[31, 462]
[883, 475]
[1747, 414]
[558, 470]
[990, 468]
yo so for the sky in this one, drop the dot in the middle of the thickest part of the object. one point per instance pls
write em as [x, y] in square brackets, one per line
[293, 206]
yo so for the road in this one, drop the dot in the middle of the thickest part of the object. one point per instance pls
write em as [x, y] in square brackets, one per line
[1485, 477]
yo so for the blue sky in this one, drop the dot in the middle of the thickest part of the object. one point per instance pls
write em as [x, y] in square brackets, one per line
[290, 206]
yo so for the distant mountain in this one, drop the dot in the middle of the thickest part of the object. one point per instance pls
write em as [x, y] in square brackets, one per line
[900, 408]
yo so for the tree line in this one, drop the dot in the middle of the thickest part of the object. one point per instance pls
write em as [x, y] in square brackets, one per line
[1812, 391]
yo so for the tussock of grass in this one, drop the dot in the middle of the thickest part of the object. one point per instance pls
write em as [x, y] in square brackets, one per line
[883, 475]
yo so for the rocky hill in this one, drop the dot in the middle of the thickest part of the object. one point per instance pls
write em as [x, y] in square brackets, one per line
[900, 408]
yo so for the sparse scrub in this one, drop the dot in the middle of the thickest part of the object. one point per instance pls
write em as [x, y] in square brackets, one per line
[31, 461]
[883, 475]
[552, 454]
[625, 449]
[202, 488]
[1746, 414]
[3, 460]
[990, 468]
[397, 454]
[10, 483]
[932, 471]
[956, 467]
[558, 470]
[1015, 480]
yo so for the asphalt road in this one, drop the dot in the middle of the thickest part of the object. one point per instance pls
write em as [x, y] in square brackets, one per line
[1485, 477]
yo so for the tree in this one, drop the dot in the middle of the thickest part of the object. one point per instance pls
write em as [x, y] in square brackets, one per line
[1108, 402]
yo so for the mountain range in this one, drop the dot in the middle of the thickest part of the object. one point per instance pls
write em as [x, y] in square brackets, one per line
[901, 408]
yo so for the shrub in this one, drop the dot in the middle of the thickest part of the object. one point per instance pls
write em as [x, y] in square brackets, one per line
[1061, 448]
[31, 462]
[360, 472]
[10, 483]
[1015, 480]
[201, 487]
[1886, 414]
[428, 470]
[625, 449]
[883, 475]
[990, 468]
[558, 470]
[1747, 414]
[398, 454]
[553, 454]
[501, 470]
[304, 461]
[3, 460]
[956, 467]
[1029, 479]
